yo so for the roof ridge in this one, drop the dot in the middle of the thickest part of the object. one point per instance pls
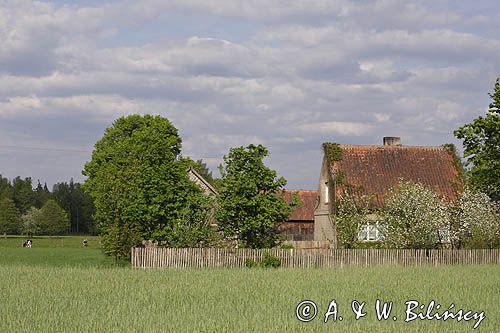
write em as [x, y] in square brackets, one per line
[390, 147]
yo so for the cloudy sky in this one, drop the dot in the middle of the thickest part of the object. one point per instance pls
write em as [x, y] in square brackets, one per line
[287, 74]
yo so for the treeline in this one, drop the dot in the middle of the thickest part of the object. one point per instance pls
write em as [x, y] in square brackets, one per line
[38, 211]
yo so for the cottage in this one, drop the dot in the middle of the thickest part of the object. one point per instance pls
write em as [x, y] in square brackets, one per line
[372, 170]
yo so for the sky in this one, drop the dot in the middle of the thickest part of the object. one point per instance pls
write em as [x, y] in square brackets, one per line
[286, 74]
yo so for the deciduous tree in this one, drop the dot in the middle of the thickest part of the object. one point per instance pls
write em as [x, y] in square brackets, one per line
[481, 141]
[140, 185]
[53, 220]
[250, 207]
[10, 218]
[415, 217]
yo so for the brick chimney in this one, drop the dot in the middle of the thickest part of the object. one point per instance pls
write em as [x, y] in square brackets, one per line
[392, 141]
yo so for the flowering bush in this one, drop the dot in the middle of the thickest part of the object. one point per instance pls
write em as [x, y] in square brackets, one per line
[415, 217]
[476, 221]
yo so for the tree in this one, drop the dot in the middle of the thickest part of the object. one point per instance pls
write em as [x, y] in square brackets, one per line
[30, 222]
[415, 217]
[77, 204]
[476, 221]
[140, 186]
[42, 194]
[53, 220]
[481, 141]
[5, 188]
[10, 218]
[22, 194]
[250, 207]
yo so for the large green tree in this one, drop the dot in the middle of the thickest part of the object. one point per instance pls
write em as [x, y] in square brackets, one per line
[250, 204]
[10, 218]
[140, 186]
[481, 141]
[52, 219]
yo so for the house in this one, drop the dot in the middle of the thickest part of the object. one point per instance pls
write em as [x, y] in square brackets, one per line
[195, 177]
[300, 225]
[372, 170]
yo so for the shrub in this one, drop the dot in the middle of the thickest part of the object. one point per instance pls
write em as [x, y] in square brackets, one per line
[250, 263]
[476, 221]
[270, 261]
[415, 217]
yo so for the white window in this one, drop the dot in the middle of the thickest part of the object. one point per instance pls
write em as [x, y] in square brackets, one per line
[326, 193]
[370, 232]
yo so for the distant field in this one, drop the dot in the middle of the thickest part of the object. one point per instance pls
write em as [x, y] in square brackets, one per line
[88, 299]
[51, 241]
[55, 251]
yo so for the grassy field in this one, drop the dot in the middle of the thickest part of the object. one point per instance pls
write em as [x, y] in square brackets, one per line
[95, 295]
[60, 251]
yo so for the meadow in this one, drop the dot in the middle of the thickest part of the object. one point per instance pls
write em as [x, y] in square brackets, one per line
[95, 294]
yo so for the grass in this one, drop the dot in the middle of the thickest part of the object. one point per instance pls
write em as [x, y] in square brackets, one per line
[75, 291]
[55, 251]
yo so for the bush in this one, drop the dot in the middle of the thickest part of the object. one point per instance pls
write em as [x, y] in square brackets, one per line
[250, 263]
[270, 261]
[415, 217]
[476, 221]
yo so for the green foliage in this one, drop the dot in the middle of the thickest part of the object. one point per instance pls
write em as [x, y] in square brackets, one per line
[52, 219]
[481, 141]
[31, 222]
[351, 215]
[332, 151]
[459, 165]
[286, 246]
[268, 261]
[22, 194]
[476, 221]
[140, 186]
[415, 217]
[42, 194]
[250, 263]
[77, 203]
[10, 218]
[250, 203]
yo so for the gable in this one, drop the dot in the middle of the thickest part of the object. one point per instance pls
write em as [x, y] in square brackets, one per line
[201, 182]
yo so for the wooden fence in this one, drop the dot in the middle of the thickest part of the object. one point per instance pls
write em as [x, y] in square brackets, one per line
[330, 258]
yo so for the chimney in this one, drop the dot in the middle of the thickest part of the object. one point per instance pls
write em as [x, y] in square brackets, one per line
[392, 141]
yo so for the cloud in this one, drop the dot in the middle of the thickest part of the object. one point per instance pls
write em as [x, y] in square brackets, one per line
[303, 74]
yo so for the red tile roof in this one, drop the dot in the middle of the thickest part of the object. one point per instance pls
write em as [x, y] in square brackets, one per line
[373, 170]
[305, 210]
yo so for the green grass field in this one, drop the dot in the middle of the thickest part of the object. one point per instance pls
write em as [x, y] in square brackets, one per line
[85, 292]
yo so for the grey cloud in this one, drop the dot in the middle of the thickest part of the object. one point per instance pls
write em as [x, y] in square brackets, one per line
[349, 72]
